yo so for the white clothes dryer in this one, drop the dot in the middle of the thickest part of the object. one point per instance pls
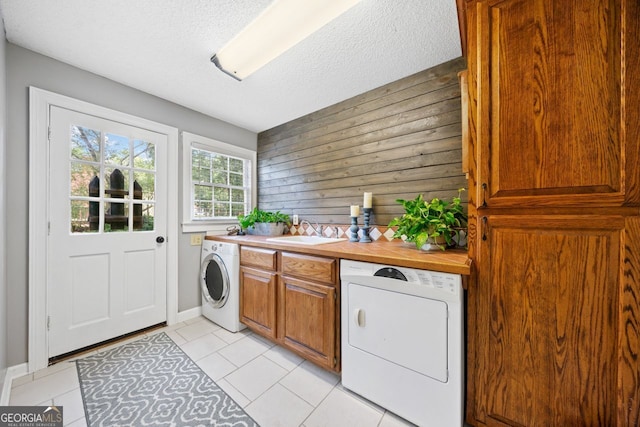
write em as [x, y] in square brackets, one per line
[402, 340]
[220, 284]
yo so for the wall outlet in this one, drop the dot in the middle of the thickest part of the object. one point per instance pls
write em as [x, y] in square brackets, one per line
[295, 220]
[196, 239]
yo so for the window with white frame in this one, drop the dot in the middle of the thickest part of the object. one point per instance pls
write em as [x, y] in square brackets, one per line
[219, 182]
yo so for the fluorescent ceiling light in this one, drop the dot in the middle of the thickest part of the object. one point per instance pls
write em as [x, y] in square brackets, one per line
[281, 26]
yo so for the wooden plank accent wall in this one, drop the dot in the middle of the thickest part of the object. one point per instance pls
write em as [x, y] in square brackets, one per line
[396, 141]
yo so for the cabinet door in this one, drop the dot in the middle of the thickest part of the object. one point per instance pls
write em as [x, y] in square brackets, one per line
[557, 102]
[307, 320]
[548, 312]
[258, 301]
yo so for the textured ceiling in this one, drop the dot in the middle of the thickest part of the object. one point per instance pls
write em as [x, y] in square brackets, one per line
[163, 47]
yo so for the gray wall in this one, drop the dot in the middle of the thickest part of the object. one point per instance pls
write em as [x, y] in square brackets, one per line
[25, 68]
[3, 212]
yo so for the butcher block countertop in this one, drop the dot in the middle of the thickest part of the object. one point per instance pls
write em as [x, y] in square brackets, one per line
[395, 253]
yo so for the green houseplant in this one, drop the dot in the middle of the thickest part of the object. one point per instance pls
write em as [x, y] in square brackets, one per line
[263, 222]
[437, 222]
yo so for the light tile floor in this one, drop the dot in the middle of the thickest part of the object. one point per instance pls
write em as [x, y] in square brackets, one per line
[273, 385]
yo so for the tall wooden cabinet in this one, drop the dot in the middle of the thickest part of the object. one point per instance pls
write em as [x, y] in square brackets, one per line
[554, 180]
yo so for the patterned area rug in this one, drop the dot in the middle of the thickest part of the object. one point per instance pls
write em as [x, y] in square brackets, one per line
[152, 382]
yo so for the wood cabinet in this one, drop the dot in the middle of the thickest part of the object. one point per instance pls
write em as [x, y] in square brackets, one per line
[554, 181]
[308, 307]
[550, 293]
[258, 290]
[556, 91]
[258, 300]
[293, 299]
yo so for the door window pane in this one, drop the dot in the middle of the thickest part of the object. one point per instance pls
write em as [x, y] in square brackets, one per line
[116, 183]
[146, 185]
[144, 155]
[116, 217]
[84, 177]
[116, 150]
[85, 144]
[84, 216]
[143, 215]
[148, 214]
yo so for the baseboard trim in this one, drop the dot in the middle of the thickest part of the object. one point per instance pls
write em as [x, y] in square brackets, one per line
[11, 373]
[189, 314]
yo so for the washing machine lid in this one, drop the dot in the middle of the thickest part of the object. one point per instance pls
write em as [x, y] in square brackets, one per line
[214, 281]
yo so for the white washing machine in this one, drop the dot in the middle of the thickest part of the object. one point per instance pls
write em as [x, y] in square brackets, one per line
[402, 340]
[220, 284]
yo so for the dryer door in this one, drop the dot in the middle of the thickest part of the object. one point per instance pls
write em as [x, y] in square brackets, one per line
[214, 281]
[406, 330]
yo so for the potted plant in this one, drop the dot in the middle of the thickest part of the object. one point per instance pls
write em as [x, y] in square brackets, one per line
[433, 224]
[264, 223]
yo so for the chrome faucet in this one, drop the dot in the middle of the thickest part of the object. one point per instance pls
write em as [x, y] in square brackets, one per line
[317, 229]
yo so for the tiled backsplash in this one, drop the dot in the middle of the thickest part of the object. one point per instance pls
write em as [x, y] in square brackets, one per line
[375, 232]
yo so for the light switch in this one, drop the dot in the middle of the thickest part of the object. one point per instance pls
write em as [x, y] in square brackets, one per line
[196, 239]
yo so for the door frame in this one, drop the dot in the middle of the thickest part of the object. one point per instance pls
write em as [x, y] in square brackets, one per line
[39, 102]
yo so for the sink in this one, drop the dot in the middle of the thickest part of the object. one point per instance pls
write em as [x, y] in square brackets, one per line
[305, 240]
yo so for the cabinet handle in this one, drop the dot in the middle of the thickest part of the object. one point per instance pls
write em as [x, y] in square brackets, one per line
[484, 227]
[484, 195]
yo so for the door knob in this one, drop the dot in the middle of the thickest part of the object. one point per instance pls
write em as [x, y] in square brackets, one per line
[160, 239]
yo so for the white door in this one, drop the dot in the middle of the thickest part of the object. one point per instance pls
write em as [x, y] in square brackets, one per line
[107, 205]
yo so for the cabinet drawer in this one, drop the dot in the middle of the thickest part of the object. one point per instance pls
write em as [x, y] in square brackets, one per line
[262, 258]
[315, 268]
